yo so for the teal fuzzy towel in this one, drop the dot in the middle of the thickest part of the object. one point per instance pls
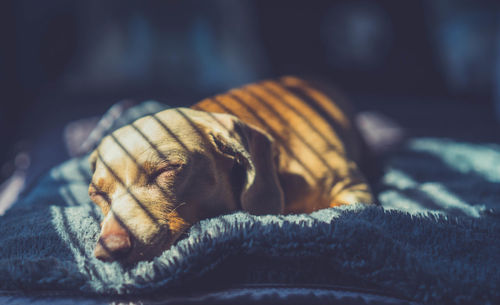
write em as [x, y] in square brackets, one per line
[436, 238]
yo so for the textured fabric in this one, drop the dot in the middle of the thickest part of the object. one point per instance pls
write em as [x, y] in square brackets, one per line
[450, 253]
[261, 294]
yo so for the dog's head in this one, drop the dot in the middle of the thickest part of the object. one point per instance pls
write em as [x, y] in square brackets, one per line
[157, 176]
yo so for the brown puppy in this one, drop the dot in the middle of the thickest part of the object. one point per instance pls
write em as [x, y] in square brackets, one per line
[279, 146]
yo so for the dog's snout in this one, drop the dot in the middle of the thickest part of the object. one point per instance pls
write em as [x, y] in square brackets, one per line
[114, 242]
[112, 247]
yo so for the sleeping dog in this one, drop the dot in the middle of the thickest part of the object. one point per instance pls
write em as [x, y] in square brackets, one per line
[274, 147]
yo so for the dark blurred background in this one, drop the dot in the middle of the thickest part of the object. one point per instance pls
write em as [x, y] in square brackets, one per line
[433, 66]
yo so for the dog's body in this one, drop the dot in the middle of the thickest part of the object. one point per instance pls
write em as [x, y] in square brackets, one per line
[317, 145]
[279, 146]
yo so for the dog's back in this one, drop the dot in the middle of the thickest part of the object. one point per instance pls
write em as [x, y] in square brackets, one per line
[317, 144]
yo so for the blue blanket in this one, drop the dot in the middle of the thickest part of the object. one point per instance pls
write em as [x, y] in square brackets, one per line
[434, 239]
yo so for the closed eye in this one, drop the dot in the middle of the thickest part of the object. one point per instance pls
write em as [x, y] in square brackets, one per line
[167, 170]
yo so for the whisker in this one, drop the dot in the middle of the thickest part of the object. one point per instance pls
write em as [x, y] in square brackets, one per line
[173, 210]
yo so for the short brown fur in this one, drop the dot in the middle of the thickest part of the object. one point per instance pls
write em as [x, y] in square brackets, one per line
[278, 146]
[317, 161]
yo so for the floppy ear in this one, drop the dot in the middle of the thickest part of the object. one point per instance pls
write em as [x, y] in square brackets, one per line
[253, 150]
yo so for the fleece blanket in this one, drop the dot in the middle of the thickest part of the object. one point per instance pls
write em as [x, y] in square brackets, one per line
[435, 238]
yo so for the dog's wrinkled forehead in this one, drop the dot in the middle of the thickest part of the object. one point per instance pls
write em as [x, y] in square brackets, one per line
[174, 128]
[175, 132]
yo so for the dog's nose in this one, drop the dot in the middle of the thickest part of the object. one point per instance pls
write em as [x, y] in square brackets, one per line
[112, 247]
[114, 242]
